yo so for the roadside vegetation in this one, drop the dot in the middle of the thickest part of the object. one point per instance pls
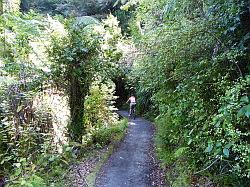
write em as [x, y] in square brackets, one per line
[192, 77]
[63, 64]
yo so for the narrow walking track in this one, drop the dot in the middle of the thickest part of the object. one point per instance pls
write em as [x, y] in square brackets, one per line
[132, 164]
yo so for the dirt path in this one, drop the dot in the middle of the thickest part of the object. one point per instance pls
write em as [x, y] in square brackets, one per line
[133, 162]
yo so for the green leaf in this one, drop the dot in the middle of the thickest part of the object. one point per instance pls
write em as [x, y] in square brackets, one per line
[240, 112]
[228, 145]
[209, 148]
[190, 141]
[23, 182]
[68, 149]
[247, 109]
[226, 152]
[17, 172]
[244, 99]
[51, 159]
[217, 124]
[179, 152]
[218, 144]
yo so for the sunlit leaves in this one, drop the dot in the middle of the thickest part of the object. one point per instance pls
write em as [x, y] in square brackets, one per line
[244, 111]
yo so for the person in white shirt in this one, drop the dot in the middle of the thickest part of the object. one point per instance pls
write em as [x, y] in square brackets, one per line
[132, 101]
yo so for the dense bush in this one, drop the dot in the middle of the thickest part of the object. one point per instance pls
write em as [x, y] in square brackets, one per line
[88, 49]
[99, 105]
[34, 100]
[99, 109]
[29, 132]
[194, 74]
[105, 135]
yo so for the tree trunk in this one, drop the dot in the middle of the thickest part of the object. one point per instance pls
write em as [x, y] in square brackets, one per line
[77, 94]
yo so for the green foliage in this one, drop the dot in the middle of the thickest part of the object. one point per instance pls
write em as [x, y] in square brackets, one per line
[100, 120]
[33, 108]
[87, 50]
[104, 135]
[21, 131]
[34, 180]
[194, 75]
[99, 109]
[74, 57]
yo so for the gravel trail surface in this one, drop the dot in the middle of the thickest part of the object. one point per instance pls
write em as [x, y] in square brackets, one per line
[133, 163]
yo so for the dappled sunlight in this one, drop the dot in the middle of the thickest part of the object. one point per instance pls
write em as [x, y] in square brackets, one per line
[56, 27]
[56, 104]
[133, 123]
[38, 55]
